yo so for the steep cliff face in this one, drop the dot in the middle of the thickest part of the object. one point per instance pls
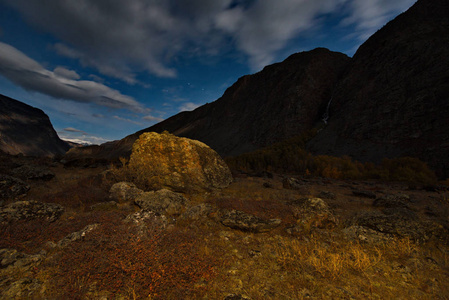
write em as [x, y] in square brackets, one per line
[394, 98]
[27, 130]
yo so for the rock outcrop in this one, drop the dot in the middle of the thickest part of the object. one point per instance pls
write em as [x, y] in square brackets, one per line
[180, 164]
[27, 130]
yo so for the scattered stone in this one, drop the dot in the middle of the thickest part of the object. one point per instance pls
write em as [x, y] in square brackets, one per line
[76, 236]
[364, 194]
[104, 206]
[178, 163]
[368, 235]
[33, 172]
[11, 257]
[124, 192]
[327, 195]
[246, 222]
[267, 185]
[25, 288]
[162, 202]
[403, 223]
[236, 297]
[23, 210]
[198, 211]
[392, 201]
[11, 187]
[292, 183]
[312, 213]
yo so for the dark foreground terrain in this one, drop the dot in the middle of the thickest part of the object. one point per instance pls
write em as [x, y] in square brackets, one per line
[65, 235]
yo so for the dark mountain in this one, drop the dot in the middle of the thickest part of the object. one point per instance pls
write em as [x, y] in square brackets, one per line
[394, 98]
[27, 130]
[277, 103]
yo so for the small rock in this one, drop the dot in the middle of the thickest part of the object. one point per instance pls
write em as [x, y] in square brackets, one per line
[76, 236]
[313, 213]
[198, 211]
[292, 183]
[162, 202]
[364, 194]
[392, 201]
[124, 192]
[33, 172]
[22, 210]
[327, 195]
[246, 222]
[103, 206]
[11, 187]
[236, 297]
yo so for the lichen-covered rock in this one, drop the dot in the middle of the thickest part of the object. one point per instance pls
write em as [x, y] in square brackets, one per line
[33, 172]
[246, 222]
[163, 202]
[11, 187]
[313, 213]
[181, 164]
[124, 192]
[399, 222]
[12, 257]
[23, 210]
[392, 201]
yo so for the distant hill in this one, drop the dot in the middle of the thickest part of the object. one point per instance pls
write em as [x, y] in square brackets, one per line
[391, 99]
[27, 130]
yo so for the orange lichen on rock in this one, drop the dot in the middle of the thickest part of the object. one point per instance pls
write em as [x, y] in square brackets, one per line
[168, 161]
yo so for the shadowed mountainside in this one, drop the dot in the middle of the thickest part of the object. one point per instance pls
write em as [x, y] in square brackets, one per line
[27, 130]
[394, 99]
[279, 102]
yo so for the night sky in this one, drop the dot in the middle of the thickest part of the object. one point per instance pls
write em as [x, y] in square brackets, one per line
[103, 69]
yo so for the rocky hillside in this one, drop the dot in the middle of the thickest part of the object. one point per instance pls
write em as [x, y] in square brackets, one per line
[394, 98]
[27, 130]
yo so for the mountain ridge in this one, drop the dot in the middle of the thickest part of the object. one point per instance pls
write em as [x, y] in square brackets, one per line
[27, 130]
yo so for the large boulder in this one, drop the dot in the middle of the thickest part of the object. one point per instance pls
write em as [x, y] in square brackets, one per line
[181, 164]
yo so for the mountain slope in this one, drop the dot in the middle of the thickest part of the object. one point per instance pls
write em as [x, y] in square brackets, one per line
[27, 130]
[394, 99]
[279, 102]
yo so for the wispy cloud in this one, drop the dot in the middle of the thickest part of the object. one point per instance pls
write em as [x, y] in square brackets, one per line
[188, 106]
[153, 119]
[60, 83]
[121, 39]
[127, 120]
[370, 15]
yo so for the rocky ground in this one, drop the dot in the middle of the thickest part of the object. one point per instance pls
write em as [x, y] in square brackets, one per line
[77, 233]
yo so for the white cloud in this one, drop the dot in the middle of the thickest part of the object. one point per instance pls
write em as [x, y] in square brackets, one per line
[127, 120]
[370, 15]
[153, 119]
[71, 129]
[66, 73]
[188, 106]
[29, 74]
